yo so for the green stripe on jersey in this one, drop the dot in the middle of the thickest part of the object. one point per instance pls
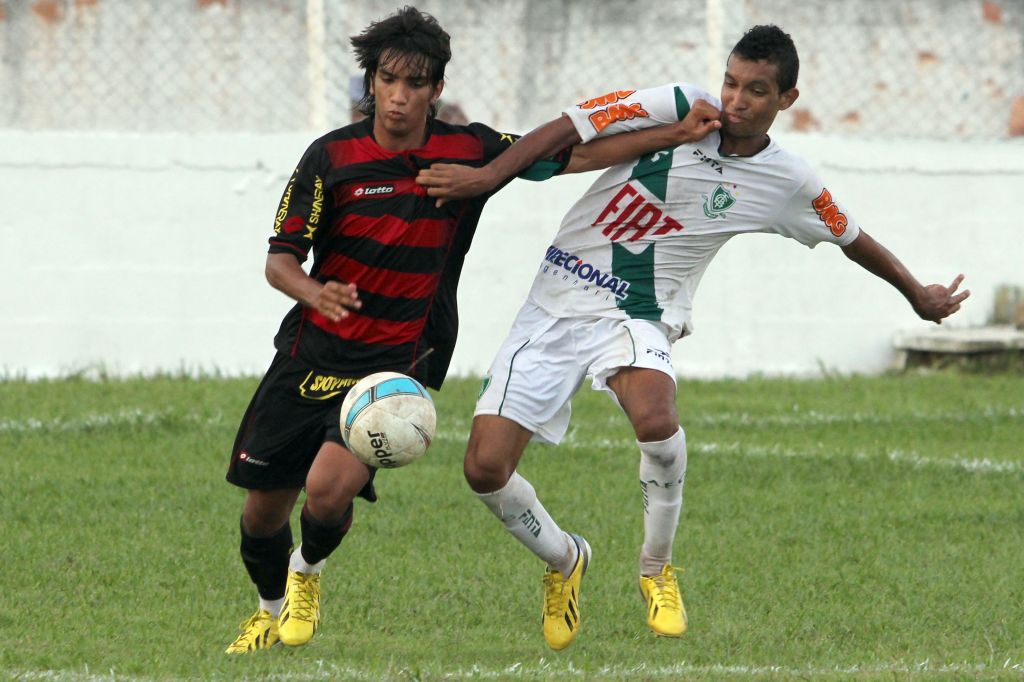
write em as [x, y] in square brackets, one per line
[652, 171]
[640, 303]
[682, 106]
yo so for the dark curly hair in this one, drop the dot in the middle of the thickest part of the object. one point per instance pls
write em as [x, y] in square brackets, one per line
[775, 46]
[408, 38]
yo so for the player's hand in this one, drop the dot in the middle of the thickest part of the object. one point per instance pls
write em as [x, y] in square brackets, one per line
[702, 120]
[939, 302]
[450, 182]
[336, 299]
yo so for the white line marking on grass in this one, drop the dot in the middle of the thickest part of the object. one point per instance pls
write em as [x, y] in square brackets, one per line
[458, 431]
[973, 464]
[91, 422]
[557, 670]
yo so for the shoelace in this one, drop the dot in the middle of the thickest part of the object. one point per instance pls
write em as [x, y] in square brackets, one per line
[668, 591]
[242, 643]
[302, 607]
[554, 588]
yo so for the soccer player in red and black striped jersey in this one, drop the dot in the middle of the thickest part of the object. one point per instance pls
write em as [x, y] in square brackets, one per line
[380, 295]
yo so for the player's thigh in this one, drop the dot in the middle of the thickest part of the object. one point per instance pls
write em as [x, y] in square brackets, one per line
[282, 430]
[335, 479]
[635, 368]
[534, 375]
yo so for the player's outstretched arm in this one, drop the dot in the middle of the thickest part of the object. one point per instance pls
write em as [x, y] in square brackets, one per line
[604, 152]
[453, 181]
[333, 300]
[932, 302]
[449, 181]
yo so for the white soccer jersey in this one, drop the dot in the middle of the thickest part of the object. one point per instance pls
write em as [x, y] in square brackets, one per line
[637, 243]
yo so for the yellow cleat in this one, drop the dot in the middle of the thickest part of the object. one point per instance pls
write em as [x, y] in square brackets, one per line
[300, 614]
[666, 615]
[259, 632]
[562, 600]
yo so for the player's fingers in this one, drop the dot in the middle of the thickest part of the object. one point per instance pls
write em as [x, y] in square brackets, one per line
[440, 202]
[956, 283]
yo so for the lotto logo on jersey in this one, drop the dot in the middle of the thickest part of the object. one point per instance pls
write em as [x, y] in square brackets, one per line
[829, 213]
[373, 191]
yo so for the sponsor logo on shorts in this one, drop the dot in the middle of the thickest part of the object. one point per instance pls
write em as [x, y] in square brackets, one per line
[585, 272]
[660, 354]
[376, 190]
[323, 386]
[245, 457]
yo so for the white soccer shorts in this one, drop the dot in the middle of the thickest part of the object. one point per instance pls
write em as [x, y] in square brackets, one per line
[545, 359]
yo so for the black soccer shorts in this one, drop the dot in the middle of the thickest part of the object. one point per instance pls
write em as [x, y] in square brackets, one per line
[294, 411]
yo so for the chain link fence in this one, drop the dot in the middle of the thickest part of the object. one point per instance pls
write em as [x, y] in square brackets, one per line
[945, 69]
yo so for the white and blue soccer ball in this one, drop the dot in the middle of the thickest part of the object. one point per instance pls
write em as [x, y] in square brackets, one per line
[388, 420]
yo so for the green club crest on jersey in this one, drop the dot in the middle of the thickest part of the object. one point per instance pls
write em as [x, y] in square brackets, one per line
[718, 202]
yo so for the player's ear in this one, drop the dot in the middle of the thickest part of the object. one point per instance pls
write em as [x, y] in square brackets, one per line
[788, 97]
[436, 95]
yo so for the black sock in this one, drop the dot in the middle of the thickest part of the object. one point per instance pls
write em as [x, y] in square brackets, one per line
[266, 559]
[319, 539]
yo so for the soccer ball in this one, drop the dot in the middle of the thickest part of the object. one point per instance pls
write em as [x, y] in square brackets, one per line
[388, 420]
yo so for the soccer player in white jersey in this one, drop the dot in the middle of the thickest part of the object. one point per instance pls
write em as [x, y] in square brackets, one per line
[615, 290]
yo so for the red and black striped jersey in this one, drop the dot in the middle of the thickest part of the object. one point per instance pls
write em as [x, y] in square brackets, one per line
[358, 208]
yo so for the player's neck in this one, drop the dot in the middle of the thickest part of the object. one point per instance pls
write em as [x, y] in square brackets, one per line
[399, 142]
[743, 146]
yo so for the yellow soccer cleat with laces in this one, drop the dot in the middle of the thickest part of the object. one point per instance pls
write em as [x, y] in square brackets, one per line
[562, 600]
[300, 614]
[259, 632]
[666, 615]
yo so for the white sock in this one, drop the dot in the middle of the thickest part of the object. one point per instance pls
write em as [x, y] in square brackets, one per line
[662, 475]
[272, 605]
[297, 563]
[522, 514]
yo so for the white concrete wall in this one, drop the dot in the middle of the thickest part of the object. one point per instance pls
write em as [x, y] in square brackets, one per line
[144, 253]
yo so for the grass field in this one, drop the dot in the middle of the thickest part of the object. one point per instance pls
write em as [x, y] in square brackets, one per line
[867, 528]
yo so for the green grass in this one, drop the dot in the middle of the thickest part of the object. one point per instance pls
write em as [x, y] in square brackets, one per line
[868, 528]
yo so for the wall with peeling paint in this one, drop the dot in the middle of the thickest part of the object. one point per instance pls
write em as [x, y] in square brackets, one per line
[144, 253]
[949, 69]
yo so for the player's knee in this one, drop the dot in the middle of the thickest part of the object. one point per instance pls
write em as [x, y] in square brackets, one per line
[482, 474]
[328, 500]
[656, 426]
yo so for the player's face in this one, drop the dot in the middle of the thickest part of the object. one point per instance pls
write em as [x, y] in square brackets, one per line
[403, 94]
[750, 101]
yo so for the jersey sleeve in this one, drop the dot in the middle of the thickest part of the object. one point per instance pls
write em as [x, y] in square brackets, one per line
[624, 110]
[302, 210]
[813, 215]
[494, 143]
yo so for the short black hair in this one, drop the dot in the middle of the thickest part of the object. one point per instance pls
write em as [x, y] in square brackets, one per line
[773, 45]
[408, 37]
